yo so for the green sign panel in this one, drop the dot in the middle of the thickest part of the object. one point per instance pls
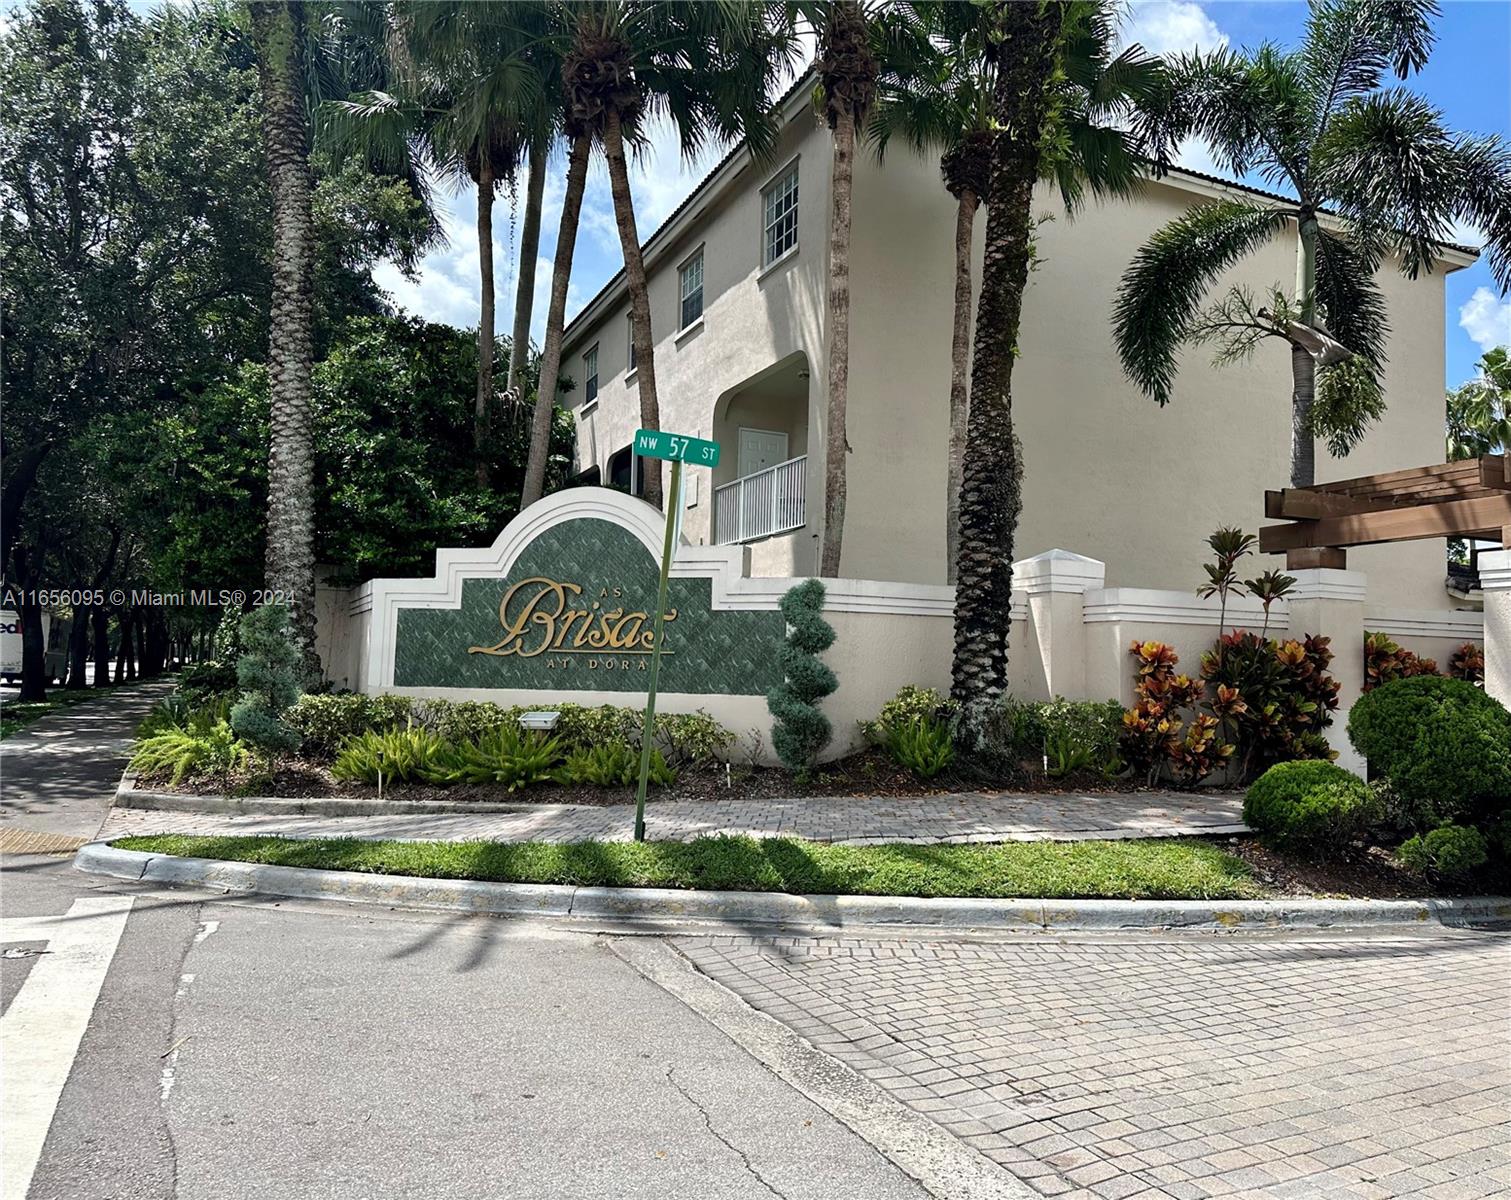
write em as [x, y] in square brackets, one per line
[657, 443]
[576, 612]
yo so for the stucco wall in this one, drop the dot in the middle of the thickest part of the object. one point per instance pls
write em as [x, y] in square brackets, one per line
[1107, 470]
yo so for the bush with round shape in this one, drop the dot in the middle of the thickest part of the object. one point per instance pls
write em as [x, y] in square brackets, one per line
[1309, 805]
[1450, 852]
[801, 730]
[268, 674]
[1444, 746]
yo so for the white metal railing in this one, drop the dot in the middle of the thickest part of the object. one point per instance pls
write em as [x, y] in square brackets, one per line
[759, 505]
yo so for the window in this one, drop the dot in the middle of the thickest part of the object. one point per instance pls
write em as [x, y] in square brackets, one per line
[590, 377]
[629, 338]
[779, 206]
[690, 281]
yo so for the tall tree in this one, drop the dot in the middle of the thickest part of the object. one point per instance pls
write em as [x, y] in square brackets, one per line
[1061, 108]
[708, 68]
[936, 96]
[279, 34]
[1320, 122]
[847, 71]
[1479, 412]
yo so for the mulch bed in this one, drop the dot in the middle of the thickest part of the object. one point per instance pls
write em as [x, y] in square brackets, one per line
[870, 773]
[1366, 872]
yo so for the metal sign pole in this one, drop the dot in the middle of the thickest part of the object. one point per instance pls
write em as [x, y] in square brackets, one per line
[648, 734]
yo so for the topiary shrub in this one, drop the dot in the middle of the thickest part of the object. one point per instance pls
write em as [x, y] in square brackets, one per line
[1309, 805]
[268, 674]
[1442, 744]
[1451, 852]
[801, 730]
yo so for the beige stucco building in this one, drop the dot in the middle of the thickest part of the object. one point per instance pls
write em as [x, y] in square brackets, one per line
[737, 286]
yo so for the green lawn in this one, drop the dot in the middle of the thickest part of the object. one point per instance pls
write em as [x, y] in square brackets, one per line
[1175, 868]
[15, 716]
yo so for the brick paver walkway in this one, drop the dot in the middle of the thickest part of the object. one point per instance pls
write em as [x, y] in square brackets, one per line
[1100, 1068]
[857, 822]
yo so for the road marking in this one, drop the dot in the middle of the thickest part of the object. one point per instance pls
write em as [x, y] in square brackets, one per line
[41, 1030]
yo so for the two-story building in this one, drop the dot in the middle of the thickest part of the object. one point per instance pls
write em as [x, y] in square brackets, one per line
[738, 277]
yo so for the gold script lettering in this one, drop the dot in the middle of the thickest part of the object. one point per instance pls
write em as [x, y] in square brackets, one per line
[535, 618]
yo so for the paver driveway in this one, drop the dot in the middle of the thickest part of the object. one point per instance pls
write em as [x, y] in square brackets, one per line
[1174, 1066]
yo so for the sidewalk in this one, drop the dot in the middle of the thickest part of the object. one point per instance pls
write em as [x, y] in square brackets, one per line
[59, 775]
[929, 820]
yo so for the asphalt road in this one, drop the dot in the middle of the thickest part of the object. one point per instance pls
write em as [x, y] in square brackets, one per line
[238, 1049]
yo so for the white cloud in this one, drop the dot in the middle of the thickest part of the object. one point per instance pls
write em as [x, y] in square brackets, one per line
[1466, 233]
[1486, 318]
[1171, 26]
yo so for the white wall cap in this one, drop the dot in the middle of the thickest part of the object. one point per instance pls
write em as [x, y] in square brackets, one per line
[1059, 571]
[1329, 583]
[1495, 570]
[1157, 606]
[1464, 624]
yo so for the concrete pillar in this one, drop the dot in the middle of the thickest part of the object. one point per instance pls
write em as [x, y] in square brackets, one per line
[1495, 583]
[1055, 584]
[1330, 602]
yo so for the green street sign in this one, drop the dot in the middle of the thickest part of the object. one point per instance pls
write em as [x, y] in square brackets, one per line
[673, 447]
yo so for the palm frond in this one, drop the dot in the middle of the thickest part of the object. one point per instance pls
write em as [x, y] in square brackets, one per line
[1351, 44]
[1351, 305]
[1161, 292]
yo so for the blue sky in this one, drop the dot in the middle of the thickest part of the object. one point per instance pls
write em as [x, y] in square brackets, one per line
[1469, 78]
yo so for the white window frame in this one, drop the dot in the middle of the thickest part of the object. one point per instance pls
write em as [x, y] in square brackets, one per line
[779, 180]
[629, 344]
[590, 355]
[692, 260]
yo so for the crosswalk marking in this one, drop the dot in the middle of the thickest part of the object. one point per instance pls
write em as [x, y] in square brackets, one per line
[41, 1030]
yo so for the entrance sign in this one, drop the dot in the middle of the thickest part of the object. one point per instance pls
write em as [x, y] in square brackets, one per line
[653, 443]
[673, 447]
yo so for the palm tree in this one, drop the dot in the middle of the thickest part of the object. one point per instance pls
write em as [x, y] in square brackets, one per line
[1479, 412]
[936, 95]
[1320, 122]
[462, 100]
[709, 68]
[278, 34]
[1061, 108]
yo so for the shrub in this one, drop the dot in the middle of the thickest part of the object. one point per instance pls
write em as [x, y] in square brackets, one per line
[1468, 663]
[411, 755]
[609, 764]
[801, 730]
[1443, 745]
[462, 721]
[911, 703]
[1449, 852]
[324, 722]
[580, 726]
[1385, 662]
[268, 673]
[923, 745]
[1156, 737]
[203, 681]
[693, 738]
[507, 755]
[1309, 805]
[207, 748]
[1285, 697]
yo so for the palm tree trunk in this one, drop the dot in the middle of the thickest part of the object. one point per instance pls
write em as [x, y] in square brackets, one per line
[992, 497]
[278, 34]
[524, 290]
[483, 404]
[837, 318]
[960, 351]
[1303, 366]
[556, 315]
[640, 305]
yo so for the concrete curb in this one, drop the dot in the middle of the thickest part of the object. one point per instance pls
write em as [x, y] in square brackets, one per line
[656, 906]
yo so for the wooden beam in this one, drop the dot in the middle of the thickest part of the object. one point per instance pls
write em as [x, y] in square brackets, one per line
[1303, 504]
[1405, 481]
[1451, 518]
[1316, 556]
[1495, 471]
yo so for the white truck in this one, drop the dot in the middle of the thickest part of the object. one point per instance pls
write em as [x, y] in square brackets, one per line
[54, 637]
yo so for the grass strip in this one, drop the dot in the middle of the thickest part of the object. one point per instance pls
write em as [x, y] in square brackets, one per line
[1165, 869]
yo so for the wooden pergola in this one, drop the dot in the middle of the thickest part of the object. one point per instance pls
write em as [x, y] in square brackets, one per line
[1469, 499]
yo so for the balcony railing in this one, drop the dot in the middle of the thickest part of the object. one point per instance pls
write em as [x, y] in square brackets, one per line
[759, 505]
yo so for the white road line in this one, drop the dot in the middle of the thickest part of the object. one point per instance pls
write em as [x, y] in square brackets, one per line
[41, 1030]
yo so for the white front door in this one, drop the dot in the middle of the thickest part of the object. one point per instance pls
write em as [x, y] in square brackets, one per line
[759, 449]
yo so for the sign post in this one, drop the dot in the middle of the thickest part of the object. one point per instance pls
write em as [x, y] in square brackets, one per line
[676, 449]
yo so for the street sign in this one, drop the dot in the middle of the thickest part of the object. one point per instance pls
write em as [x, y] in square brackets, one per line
[674, 447]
